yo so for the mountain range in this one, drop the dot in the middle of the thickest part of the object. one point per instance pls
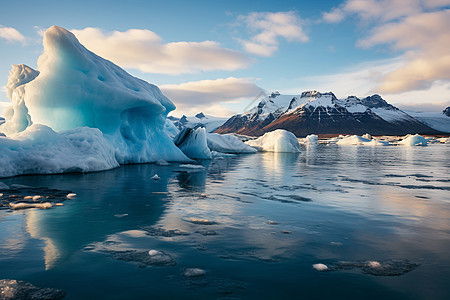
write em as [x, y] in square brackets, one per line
[313, 112]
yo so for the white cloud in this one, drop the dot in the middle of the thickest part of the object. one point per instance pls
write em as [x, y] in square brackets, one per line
[208, 95]
[417, 28]
[146, 51]
[11, 34]
[362, 81]
[268, 28]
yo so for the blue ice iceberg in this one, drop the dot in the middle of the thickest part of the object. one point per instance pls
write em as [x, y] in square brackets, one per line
[82, 103]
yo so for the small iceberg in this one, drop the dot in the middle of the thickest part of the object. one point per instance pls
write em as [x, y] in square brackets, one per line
[279, 140]
[413, 140]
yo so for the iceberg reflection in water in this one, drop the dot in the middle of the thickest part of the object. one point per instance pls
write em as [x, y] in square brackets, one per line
[248, 226]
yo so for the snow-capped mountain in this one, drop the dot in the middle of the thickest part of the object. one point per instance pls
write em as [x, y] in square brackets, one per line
[322, 113]
[209, 122]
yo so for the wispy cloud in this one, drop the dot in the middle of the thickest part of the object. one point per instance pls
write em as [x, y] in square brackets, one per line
[146, 51]
[11, 34]
[268, 28]
[418, 28]
[207, 95]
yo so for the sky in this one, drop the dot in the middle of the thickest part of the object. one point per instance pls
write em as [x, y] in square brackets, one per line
[220, 57]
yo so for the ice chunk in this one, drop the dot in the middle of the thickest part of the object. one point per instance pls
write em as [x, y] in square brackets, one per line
[367, 136]
[190, 166]
[227, 143]
[162, 162]
[193, 272]
[36, 198]
[358, 140]
[154, 252]
[279, 140]
[22, 205]
[312, 139]
[71, 195]
[192, 141]
[413, 140]
[352, 140]
[320, 267]
[155, 177]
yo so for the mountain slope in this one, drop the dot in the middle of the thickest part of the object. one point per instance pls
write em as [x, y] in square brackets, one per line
[323, 113]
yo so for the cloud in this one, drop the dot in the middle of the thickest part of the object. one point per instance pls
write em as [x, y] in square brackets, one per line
[208, 95]
[144, 50]
[416, 28]
[362, 80]
[268, 28]
[11, 34]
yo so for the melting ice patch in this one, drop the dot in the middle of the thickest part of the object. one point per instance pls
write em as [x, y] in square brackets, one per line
[73, 90]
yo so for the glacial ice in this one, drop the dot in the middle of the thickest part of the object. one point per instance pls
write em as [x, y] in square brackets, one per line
[413, 140]
[80, 112]
[193, 143]
[226, 143]
[279, 140]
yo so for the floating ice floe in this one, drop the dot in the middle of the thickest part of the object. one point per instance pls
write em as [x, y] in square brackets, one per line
[226, 143]
[279, 140]
[23, 205]
[193, 272]
[358, 140]
[413, 140]
[155, 177]
[320, 267]
[15, 289]
[71, 195]
[103, 116]
[190, 166]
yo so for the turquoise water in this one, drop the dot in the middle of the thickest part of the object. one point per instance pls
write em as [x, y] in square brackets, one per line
[255, 224]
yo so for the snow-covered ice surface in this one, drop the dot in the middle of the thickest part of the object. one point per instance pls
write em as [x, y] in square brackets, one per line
[279, 140]
[75, 89]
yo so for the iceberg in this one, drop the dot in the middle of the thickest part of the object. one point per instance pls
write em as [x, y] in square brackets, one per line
[279, 140]
[80, 112]
[226, 143]
[358, 140]
[192, 141]
[413, 140]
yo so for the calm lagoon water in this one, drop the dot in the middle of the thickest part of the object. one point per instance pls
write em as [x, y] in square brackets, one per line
[255, 223]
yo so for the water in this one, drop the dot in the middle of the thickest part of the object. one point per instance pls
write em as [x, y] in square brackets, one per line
[256, 224]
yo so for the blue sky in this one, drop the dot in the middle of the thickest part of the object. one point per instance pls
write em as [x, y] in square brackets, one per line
[216, 56]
